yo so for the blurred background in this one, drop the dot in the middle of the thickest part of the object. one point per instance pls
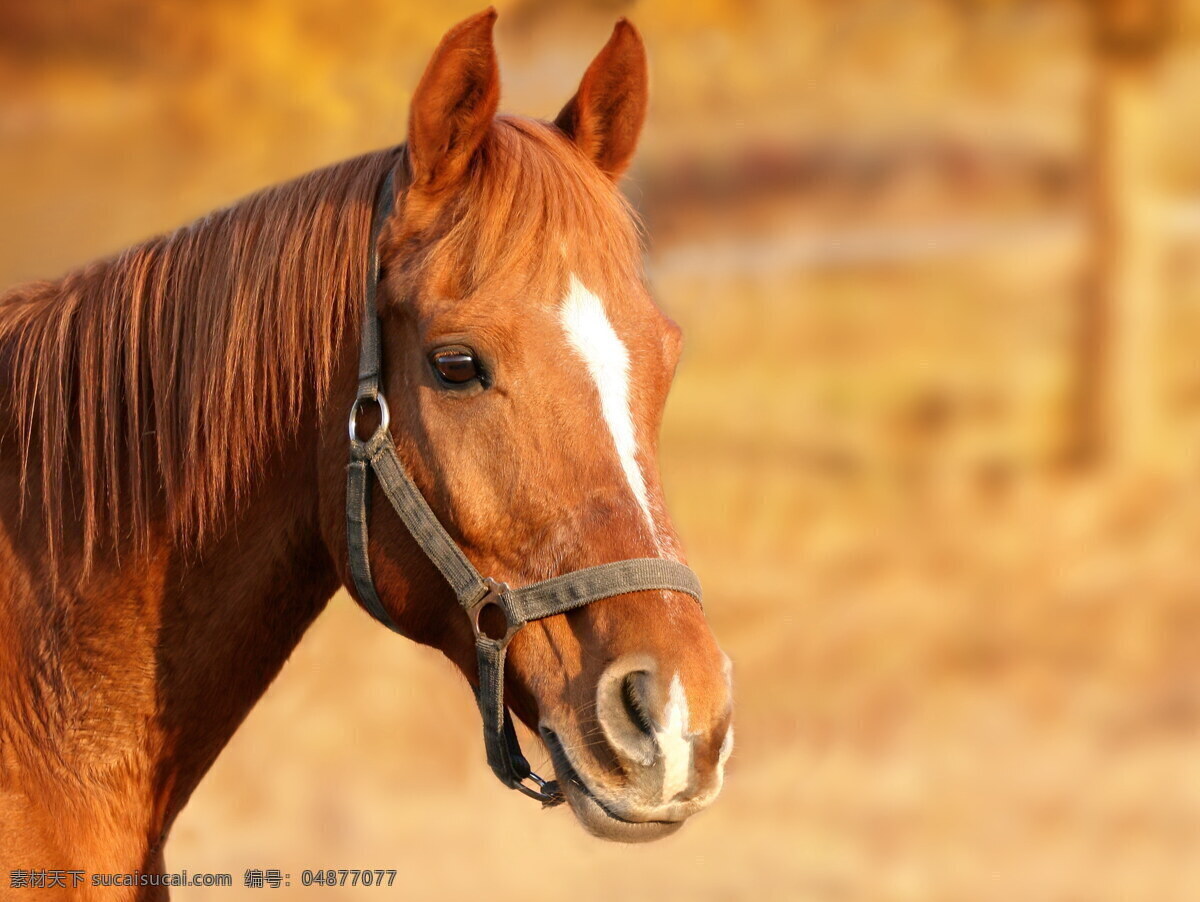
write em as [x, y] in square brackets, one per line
[933, 445]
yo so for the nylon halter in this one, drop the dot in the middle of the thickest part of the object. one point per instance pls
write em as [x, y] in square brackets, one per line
[377, 455]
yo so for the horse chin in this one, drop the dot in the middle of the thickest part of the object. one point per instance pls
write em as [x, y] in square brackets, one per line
[591, 812]
[597, 820]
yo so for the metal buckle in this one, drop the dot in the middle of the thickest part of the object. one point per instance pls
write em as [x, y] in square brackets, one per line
[492, 597]
[385, 416]
[547, 792]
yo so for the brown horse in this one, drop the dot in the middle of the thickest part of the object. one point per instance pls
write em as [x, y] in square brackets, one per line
[173, 468]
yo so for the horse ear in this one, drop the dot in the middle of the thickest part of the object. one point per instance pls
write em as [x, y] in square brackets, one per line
[454, 103]
[605, 116]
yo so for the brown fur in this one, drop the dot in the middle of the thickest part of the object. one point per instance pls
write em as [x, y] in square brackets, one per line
[172, 455]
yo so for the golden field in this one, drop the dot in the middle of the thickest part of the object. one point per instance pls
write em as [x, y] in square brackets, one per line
[966, 667]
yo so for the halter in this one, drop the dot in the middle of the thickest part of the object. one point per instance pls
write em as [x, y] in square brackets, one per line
[475, 593]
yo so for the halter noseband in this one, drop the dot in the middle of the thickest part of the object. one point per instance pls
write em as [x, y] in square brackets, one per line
[377, 455]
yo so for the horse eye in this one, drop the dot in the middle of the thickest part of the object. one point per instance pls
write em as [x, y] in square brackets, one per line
[455, 365]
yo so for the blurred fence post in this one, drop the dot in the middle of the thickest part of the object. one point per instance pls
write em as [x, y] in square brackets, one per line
[1119, 397]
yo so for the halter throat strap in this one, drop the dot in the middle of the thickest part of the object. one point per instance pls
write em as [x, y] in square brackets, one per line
[375, 460]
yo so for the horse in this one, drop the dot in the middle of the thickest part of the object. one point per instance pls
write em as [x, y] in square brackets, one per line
[173, 472]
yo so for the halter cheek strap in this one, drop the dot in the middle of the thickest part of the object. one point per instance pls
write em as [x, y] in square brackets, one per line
[377, 456]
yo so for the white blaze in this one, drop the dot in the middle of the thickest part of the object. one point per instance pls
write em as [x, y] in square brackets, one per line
[674, 742]
[592, 336]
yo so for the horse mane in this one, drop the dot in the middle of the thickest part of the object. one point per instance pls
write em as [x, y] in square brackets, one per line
[153, 377]
[147, 384]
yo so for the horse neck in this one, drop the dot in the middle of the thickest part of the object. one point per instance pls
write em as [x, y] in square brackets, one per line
[234, 613]
[132, 681]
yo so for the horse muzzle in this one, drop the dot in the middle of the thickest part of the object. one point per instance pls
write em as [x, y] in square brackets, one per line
[653, 770]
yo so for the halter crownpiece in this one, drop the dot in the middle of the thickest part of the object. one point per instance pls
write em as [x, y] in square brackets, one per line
[377, 455]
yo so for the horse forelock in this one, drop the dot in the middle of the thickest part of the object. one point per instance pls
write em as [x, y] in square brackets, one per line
[534, 206]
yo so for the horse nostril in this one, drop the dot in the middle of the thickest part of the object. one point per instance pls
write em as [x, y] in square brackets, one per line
[625, 709]
[635, 690]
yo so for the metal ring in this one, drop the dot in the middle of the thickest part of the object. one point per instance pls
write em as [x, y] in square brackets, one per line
[488, 598]
[384, 415]
[548, 792]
